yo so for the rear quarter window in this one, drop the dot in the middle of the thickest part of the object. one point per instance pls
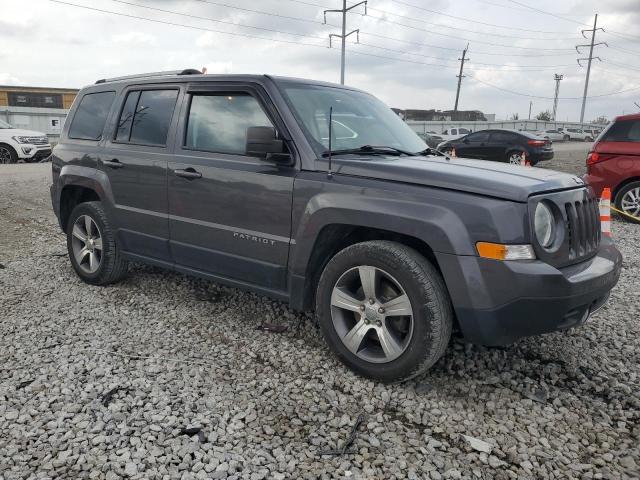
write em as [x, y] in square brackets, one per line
[623, 131]
[91, 115]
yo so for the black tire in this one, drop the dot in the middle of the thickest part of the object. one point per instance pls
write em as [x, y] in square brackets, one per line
[566, 138]
[425, 288]
[112, 266]
[7, 154]
[620, 195]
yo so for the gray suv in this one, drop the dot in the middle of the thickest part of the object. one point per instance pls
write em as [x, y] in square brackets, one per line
[319, 195]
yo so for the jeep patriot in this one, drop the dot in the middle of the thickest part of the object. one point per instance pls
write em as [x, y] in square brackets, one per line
[319, 195]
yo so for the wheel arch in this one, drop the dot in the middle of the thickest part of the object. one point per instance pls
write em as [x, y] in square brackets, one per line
[335, 237]
[623, 184]
[73, 195]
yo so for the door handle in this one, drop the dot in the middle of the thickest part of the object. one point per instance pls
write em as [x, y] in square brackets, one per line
[189, 173]
[115, 163]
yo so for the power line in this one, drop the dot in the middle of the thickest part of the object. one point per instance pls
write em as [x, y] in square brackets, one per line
[560, 17]
[471, 21]
[200, 17]
[551, 98]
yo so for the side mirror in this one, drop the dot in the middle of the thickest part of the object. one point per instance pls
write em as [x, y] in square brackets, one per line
[263, 143]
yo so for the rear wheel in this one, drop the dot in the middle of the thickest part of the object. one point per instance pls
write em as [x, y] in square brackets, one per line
[566, 138]
[515, 158]
[628, 201]
[588, 139]
[384, 310]
[7, 154]
[92, 247]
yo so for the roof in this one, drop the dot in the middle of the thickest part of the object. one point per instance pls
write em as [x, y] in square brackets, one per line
[631, 116]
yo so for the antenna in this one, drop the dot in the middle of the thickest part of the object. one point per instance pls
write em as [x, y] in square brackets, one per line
[329, 174]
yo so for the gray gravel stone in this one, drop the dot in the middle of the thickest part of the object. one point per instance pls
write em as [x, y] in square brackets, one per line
[185, 352]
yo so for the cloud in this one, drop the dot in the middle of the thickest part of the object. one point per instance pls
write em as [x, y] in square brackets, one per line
[136, 38]
[219, 67]
[8, 79]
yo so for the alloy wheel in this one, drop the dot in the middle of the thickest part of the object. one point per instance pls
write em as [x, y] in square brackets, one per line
[630, 202]
[372, 314]
[5, 155]
[87, 244]
[515, 159]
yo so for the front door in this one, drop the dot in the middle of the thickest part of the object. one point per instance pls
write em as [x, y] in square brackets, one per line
[229, 213]
[135, 160]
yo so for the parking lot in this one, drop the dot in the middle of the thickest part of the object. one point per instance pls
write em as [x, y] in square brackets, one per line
[164, 376]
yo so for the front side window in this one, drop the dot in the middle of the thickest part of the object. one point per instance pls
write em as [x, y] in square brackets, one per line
[5, 124]
[463, 130]
[359, 119]
[502, 137]
[623, 131]
[91, 115]
[219, 122]
[146, 117]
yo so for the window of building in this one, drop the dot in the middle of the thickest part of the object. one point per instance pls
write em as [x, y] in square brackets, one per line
[219, 122]
[91, 115]
[146, 117]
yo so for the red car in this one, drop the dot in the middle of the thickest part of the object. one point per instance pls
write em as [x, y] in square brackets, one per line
[614, 162]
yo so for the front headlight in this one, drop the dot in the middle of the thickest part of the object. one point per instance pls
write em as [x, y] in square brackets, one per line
[544, 225]
[21, 139]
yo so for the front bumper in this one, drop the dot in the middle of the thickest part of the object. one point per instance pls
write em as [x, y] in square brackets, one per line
[33, 153]
[497, 303]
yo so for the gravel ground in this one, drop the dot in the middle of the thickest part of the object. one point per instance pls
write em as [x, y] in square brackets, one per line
[164, 376]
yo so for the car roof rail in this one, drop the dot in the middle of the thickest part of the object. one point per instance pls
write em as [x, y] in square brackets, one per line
[186, 71]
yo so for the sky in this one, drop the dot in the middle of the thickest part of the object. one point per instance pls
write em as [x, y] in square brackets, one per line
[407, 53]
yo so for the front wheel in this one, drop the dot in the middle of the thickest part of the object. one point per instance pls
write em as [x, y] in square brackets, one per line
[628, 201]
[566, 138]
[92, 246]
[384, 310]
[8, 154]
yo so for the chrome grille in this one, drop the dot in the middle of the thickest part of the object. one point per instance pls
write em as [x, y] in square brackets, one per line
[37, 140]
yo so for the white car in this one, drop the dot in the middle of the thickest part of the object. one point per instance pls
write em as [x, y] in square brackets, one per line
[553, 135]
[22, 145]
[454, 133]
[578, 134]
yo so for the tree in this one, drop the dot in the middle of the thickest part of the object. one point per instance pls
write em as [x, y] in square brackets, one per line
[601, 120]
[545, 116]
[515, 116]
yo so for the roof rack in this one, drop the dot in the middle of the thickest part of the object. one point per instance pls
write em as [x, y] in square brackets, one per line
[187, 71]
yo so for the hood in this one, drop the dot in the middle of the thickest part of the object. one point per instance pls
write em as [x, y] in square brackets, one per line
[494, 179]
[18, 132]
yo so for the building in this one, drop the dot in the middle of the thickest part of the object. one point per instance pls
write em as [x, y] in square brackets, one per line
[36, 108]
[415, 115]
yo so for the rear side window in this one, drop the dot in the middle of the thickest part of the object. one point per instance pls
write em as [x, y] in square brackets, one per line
[219, 123]
[624, 131]
[91, 115]
[146, 117]
[478, 137]
[503, 137]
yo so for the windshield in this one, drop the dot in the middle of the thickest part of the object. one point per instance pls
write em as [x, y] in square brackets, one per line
[4, 124]
[358, 119]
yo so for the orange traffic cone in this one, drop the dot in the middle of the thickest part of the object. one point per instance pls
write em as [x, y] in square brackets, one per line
[605, 212]
[523, 160]
[453, 152]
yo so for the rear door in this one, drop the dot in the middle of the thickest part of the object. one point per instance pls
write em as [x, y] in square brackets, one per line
[135, 159]
[501, 142]
[230, 216]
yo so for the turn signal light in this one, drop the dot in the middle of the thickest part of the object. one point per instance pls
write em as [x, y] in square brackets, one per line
[498, 251]
[596, 157]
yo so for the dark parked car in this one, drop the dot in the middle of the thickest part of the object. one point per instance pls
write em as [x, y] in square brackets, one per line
[319, 195]
[614, 162]
[501, 146]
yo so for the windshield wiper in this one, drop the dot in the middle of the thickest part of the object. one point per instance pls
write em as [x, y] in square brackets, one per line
[430, 151]
[370, 150]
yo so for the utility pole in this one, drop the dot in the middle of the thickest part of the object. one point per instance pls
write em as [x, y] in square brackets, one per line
[591, 57]
[530, 106]
[460, 75]
[344, 35]
[557, 77]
